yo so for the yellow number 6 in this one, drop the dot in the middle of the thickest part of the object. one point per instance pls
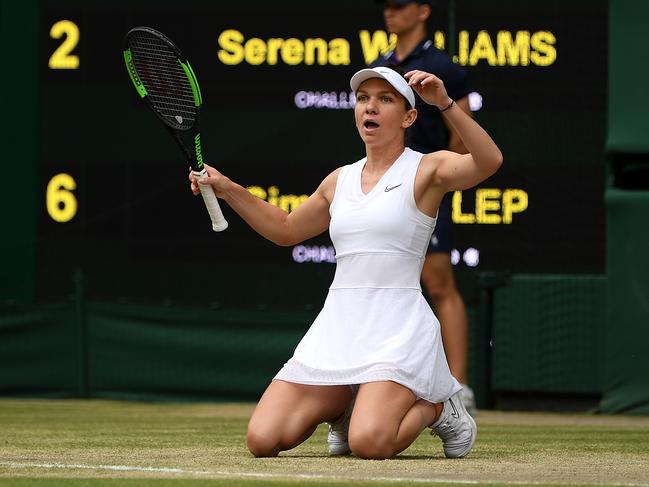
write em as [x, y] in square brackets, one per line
[60, 201]
[62, 59]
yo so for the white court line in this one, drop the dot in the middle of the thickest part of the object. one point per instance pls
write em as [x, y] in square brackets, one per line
[122, 468]
[306, 476]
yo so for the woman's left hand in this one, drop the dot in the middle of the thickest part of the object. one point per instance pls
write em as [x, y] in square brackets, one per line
[429, 88]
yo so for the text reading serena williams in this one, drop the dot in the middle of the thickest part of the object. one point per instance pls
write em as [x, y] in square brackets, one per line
[500, 48]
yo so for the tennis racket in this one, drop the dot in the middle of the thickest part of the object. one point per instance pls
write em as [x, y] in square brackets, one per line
[164, 79]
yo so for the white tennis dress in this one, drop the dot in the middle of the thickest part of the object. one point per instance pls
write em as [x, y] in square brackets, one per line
[375, 324]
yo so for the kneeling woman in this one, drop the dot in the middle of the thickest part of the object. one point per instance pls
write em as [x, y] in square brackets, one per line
[372, 364]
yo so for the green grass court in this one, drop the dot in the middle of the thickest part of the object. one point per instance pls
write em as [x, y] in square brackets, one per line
[106, 443]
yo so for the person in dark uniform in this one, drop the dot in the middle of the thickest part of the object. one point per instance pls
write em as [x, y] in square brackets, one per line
[415, 51]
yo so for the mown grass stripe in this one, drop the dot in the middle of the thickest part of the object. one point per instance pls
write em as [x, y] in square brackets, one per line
[294, 476]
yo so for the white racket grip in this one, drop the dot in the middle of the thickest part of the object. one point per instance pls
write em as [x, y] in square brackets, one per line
[212, 203]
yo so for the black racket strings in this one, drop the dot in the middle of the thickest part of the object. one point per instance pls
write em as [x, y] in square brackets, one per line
[165, 80]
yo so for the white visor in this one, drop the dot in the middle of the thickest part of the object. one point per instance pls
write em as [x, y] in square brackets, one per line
[390, 75]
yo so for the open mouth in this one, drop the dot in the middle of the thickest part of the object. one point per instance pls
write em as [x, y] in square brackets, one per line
[370, 124]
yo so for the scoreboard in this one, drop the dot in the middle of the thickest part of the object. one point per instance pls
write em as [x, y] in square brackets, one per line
[113, 197]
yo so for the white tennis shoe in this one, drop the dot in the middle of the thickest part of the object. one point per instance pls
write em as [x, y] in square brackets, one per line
[338, 431]
[456, 428]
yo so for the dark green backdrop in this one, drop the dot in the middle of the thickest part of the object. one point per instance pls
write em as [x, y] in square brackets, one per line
[107, 309]
[626, 359]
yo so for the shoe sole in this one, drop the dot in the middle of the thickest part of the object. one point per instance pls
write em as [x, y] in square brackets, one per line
[474, 432]
[339, 453]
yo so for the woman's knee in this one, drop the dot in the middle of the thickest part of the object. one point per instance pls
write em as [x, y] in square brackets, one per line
[262, 444]
[372, 444]
[268, 439]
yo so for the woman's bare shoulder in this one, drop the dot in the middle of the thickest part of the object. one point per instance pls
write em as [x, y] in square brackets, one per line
[328, 185]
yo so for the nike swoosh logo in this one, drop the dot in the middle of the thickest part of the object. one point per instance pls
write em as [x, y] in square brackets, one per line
[455, 414]
[390, 188]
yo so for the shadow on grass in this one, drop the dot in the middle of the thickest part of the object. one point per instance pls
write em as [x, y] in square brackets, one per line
[353, 458]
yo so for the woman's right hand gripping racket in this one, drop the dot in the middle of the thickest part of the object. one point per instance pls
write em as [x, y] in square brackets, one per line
[166, 82]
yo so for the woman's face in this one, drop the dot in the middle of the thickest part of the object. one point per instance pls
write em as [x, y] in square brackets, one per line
[380, 112]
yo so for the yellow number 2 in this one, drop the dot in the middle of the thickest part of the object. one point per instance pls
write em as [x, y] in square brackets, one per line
[62, 59]
[60, 201]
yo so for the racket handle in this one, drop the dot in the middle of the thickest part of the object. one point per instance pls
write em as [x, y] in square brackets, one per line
[212, 203]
